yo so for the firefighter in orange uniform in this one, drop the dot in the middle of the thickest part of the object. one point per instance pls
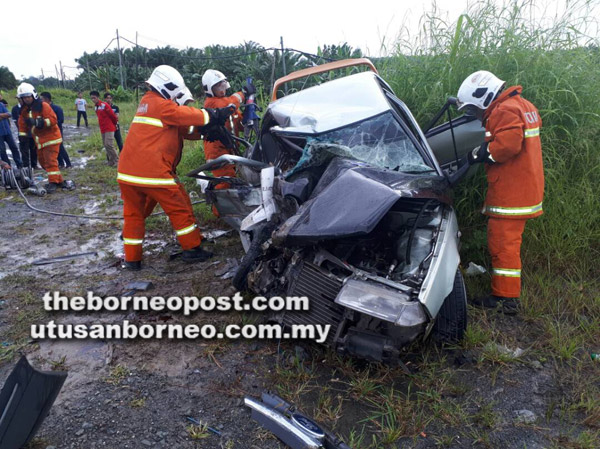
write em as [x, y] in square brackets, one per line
[215, 86]
[39, 118]
[185, 133]
[146, 166]
[515, 173]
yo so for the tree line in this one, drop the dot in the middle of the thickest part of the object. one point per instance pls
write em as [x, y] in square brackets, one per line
[102, 70]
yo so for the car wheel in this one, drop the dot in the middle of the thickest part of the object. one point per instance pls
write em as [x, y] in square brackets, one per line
[261, 235]
[451, 321]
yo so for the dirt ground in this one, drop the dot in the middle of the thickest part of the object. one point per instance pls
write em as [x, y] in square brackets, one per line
[501, 394]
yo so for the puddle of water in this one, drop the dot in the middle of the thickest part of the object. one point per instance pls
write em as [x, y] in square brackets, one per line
[82, 161]
[91, 207]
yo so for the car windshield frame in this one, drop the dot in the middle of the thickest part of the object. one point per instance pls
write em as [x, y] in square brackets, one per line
[321, 138]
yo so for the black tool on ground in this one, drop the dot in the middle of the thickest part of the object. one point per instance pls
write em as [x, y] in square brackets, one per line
[293, 428]
[63, 258]
[137, 286]
[25, 401]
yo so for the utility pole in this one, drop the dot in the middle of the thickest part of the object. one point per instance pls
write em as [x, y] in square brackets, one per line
[283, 56]
[120, 61]
[57, 77]
[87, 60]
[42, 74]
[137, 79]
[283, 64]
[62, 74]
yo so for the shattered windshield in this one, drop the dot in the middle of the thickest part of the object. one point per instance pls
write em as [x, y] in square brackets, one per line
[379, 141]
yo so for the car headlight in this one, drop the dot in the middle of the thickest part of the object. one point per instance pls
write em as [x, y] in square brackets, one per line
[380, 302]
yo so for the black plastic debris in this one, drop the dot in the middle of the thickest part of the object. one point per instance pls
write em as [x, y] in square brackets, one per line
[140, 286]
[63, 258]
[25, 401]
[293, 428]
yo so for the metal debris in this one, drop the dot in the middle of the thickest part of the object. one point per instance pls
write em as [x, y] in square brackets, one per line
[63, 258]
[228, 270]
[293, 428]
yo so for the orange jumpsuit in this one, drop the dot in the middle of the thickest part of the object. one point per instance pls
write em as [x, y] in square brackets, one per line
[515, 184]
[213, 150]
[146, 172]
[47, 139]
[187, 133]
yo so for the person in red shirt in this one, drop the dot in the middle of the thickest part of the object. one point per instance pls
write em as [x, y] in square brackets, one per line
[146, 171]
[512, 154]
[108, 125]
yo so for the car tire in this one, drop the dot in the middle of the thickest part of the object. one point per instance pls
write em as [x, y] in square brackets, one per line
[261, 235]
[451, 321]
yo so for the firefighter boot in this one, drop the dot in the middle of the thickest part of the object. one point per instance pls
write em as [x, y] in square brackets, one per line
[132, 266]
[68, 185]
[51, 187]
[508, 306]
[196, 254]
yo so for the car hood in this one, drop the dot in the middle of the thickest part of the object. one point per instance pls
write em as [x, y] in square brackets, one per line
[352, 197]
[317, 109]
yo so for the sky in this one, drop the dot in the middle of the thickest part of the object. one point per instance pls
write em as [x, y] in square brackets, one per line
[62, 31]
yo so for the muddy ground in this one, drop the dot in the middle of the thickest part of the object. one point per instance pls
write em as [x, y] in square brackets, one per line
[498, 393]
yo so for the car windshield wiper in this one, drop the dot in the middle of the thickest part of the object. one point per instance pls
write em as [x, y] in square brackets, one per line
[415, 172]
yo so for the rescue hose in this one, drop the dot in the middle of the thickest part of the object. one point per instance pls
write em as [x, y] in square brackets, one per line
[63, 214]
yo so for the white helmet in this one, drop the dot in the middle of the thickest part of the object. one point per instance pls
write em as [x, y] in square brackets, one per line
[183, 97]
[210, 78]
[479, 89]
[167, 81]
[26, 90]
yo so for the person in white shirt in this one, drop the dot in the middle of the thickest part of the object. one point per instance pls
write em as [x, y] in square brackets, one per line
[81, 105]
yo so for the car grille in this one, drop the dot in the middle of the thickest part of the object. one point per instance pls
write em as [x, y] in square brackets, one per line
[321, 290]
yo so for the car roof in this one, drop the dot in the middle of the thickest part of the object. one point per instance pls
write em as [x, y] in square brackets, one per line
[331, 105]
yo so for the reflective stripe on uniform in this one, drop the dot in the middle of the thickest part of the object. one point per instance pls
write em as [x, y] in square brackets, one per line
[191, 130]
[508, 272]
[51, 142]
[22, 133]
[132, 241]
[53, 172]
[148, 121]
[47, 120]
[185, 231]
[513, 210]
[238, 96]
[146, 181]
[206, 116]
[532, 132]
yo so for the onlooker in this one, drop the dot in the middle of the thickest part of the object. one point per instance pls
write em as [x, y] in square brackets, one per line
[26, 142]
[107, 121]
[63, 156]
[80, 105]
[109, 100]
[6, 136]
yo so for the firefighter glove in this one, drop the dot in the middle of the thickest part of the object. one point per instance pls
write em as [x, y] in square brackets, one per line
[248, 89]
[480, 155]
[39, 123]
[30, 121]
[218, 116]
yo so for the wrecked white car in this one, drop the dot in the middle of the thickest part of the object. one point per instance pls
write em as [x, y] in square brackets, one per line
[343, 200]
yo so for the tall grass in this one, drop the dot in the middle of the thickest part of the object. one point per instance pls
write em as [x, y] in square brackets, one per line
[556, 60]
